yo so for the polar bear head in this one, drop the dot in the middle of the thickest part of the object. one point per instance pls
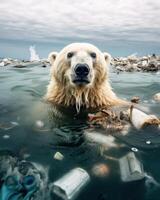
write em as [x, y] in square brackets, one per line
[79, 65]
[79, 77]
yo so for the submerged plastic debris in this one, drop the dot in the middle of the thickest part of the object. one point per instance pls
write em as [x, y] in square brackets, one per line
[8, 125]
[150, 182]
[58, 156]
[70, 185]
[39, 124]
[15, 123]
[12, 188]
[156, 97]
[131, 169]
[107, 141]
[134, 149]
[148, 142]
[6, 137]
[2, 64]
[100, 170]
[7, 163]
[20, 179]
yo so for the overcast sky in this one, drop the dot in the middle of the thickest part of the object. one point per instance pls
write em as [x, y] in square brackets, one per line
[63, 21]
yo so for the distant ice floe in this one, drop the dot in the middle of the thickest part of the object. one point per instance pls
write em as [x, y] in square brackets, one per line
[33, 54]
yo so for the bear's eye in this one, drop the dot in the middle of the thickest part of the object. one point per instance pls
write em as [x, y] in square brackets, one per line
[93, 55]
[70, 55]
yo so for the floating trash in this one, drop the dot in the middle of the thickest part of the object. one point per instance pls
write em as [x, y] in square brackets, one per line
[7, 125]
[150, 182]
[140, 119]
[156, 97]
[112, 120]
[148, 142]
[58, 156]
[6, 137]
[71, 184]
[26, 155]
[100, 170]
[2, 64]
[134, 149]
[39, 124]
[15, 123]
[7, 163]
[107, 140]
[131, 169]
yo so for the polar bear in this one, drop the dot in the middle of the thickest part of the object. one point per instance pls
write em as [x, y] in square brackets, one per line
[80, 78]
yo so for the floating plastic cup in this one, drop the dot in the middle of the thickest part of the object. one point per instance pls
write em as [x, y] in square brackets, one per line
[70, 185]
[131, 169]
[139, 119]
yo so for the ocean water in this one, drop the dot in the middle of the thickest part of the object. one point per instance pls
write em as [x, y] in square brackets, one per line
[27, 130]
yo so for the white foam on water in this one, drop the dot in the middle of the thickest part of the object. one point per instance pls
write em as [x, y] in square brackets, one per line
[33, 54]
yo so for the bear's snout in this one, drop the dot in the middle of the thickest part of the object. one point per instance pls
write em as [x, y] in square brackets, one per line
[81, 74]
[82, 70]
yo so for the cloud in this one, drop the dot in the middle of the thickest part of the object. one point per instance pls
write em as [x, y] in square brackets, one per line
[49, 20]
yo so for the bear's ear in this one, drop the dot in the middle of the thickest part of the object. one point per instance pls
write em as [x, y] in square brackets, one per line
[107, 57]
[52, 56]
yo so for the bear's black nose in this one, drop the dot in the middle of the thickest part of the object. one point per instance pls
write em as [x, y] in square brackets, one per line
[82, 70]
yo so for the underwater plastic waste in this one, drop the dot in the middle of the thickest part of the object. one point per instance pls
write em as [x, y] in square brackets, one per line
[107, 140]
[14, 189]
[6, 137]
[134, 149]
[7, 163]
[148, 142]
[70, 185]
[2, 64]
[156, 97]
[11, 189]
[100, 170]
[140, 119]
[130, 168]
[7, 125]
[39, 124]
[150, 182]
[30, 184]
[21, 179]
[58, 156]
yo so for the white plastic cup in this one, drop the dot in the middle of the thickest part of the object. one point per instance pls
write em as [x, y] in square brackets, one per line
[139, 119]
